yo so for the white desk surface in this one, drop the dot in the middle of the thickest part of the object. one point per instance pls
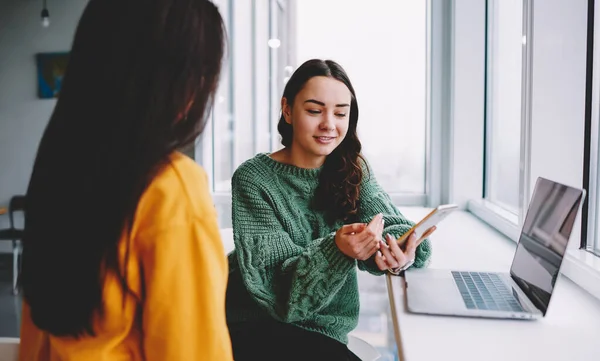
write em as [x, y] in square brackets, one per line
[569, 332]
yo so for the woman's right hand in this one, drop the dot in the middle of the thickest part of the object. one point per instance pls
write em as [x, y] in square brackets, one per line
[358, 240]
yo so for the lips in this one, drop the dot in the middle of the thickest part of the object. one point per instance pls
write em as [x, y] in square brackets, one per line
[325, 140]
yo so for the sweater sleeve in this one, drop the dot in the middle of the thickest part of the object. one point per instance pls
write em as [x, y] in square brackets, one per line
[374, 200]
[290, 282]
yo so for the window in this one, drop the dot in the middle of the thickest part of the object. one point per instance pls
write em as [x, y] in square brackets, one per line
[383, 47]
[268, 39]
[245, 114]
[503, 104]
[548, 138]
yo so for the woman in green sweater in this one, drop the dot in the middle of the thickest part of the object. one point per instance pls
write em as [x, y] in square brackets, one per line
[304, 218]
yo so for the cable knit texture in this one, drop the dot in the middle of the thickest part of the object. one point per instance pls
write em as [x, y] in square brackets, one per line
[286, 265]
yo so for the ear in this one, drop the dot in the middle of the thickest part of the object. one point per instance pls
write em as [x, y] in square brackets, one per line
[286, 110]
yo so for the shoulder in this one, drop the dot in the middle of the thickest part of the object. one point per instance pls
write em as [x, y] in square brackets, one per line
[177, 195]
[253, 171]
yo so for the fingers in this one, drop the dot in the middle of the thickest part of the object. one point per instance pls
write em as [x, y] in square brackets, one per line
[353, 228]
[426, 234]
[371, 229]
[381, 262]
[363, 239]
[371, 235]
[390, 258]
[411, 245]
[429, 232]
[400, 256]
[379, 228]
[368, 251]
[359, 246]
[376, 220]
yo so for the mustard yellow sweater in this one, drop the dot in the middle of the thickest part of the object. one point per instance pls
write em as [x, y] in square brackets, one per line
[177, 270]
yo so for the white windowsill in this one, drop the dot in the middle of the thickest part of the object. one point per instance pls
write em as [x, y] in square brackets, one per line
[464, 242]
[498, 218]
[580, 266]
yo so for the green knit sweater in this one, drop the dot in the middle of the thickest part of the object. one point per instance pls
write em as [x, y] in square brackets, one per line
[286, 265]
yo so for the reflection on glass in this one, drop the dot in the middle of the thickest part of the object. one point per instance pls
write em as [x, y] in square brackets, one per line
[505, 43]
[544, 239]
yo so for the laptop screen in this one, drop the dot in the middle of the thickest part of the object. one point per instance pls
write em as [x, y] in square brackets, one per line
[543, 242]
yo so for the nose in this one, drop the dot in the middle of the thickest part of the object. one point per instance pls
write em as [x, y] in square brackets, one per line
[328, 122]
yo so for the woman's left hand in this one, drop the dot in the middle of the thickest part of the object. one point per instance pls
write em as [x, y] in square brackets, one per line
[391, 257]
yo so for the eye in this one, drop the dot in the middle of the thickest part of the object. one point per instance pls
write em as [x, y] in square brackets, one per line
[341, 115]
[313, 111]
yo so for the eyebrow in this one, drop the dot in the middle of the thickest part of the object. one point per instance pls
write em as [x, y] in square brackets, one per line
[323, 104]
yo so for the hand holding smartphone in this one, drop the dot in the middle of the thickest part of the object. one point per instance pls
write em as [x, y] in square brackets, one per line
[422, 229]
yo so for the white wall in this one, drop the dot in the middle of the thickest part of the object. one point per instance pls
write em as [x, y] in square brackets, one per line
[22, 115]
[558, 93]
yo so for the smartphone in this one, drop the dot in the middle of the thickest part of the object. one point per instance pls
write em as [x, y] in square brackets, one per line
[430, 220]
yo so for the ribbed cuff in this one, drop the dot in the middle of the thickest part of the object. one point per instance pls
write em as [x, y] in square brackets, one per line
[334, 257]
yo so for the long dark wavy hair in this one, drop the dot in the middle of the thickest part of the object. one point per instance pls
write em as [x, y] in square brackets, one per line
[139, 84]
[342, 172]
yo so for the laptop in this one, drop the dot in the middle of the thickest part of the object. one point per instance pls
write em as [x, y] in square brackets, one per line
[525, 291]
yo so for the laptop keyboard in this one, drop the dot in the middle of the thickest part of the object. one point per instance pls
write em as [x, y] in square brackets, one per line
[485, 291]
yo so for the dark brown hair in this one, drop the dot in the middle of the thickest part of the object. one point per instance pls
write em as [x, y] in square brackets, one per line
[139, 83]
[342, 173]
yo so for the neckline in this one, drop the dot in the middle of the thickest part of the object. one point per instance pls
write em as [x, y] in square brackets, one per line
[289, 168]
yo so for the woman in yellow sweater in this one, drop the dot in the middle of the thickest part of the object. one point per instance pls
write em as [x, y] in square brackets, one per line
[122, 256]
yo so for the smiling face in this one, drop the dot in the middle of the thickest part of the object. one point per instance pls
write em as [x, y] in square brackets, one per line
[320, 117]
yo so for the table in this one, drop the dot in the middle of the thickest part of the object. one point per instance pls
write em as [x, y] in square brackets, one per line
[570, 330]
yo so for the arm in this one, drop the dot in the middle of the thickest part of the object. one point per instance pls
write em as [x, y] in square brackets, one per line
[289, 281]
[184, 277]
[374, 200]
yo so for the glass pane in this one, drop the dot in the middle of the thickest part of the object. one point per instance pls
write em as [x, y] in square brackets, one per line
[245, 112]
[382, 46]
[505, 19]
[261, 116]
[223, 117]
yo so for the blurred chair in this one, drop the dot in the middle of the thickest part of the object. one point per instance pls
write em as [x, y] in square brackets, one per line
[14, 234]
[361, 348]
[9, 349]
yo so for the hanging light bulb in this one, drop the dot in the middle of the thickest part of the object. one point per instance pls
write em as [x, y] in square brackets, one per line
[45, 16]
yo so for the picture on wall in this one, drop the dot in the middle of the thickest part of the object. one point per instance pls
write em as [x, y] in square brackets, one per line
[50, 71]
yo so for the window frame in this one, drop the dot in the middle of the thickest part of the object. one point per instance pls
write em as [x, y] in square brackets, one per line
[579, 265]
[485, 205]
[590, 240]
